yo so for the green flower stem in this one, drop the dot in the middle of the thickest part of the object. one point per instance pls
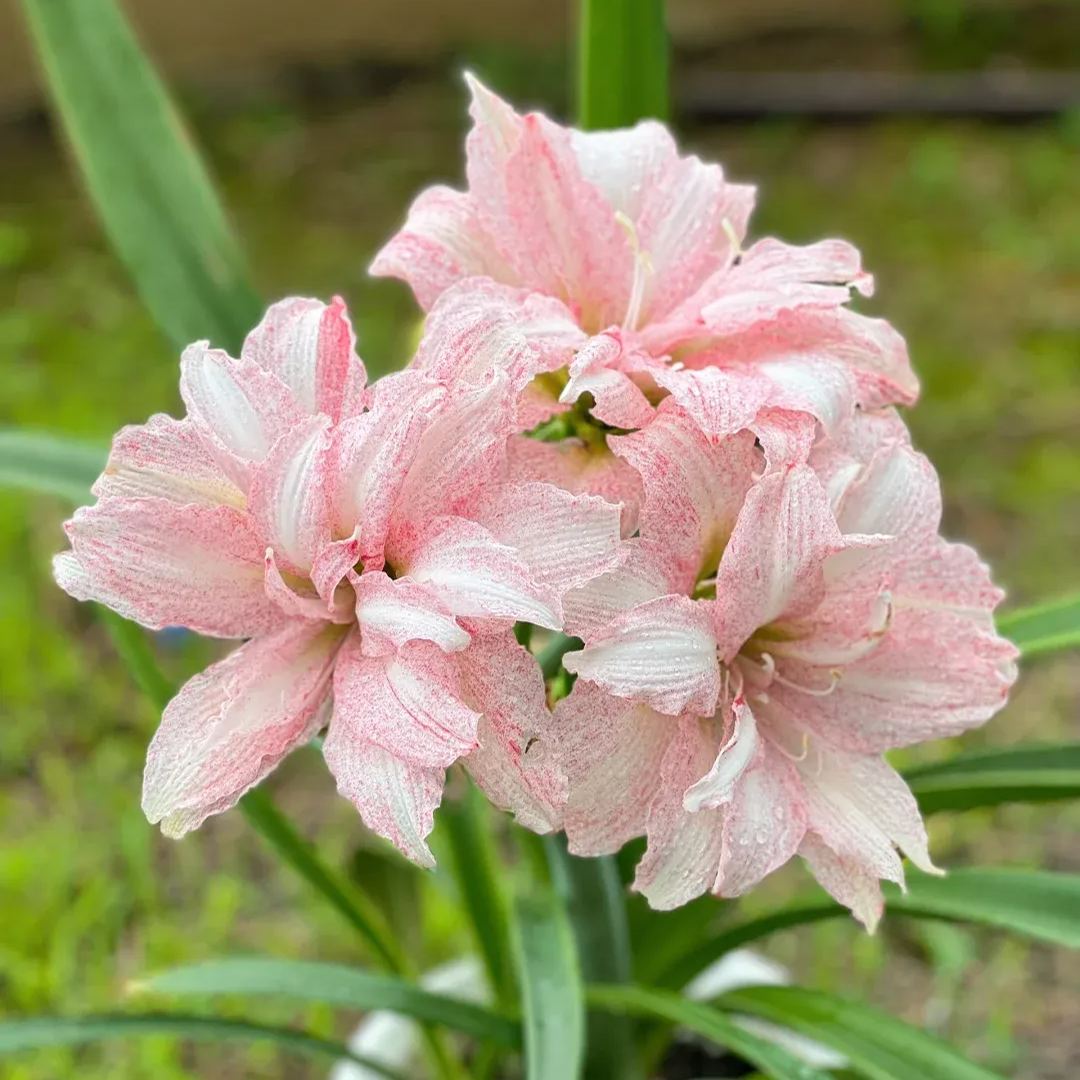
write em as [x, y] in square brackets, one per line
[622, 72]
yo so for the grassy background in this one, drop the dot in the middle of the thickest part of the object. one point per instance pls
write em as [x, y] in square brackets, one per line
[974, 233]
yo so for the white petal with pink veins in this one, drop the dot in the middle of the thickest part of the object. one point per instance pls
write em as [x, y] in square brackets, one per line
[564, 539]
[407, 702]
[688, 227]
[773, 278]
[515, 763]
[372, 453]
[721, 401]
[936, 673]
[661, 652]
[683, 849]
[229, 726]
[845, 880]
[238, 408]
[536, 205]
[391, 613]
[641, 574]
[773, 564]
[297, 596]
[611, 750]
[162, 564]
[580, 469]
[693, 488]
[860, 807]
[460, 451]
[441, 243]
[165, 459]
[480, 325]
[764, 822]
[289, 498]
[311, 347]
[396, 798]
[717, 786]
[474, 575]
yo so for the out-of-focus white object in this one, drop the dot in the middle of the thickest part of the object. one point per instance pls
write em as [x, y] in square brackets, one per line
[743, 967]
[393, 1040]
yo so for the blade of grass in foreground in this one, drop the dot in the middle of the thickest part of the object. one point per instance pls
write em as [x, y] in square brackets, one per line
[878, 1045]
[332, 984]
[773, 1060]
[593, 895]
[1038, 904]
[981, 778]
[551, 991]
[49, 464]
[40, 1033]
[1045, 627]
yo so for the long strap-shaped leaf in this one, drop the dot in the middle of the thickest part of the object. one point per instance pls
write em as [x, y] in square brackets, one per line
[552, 996]
[467, 824]
[991, 777]
[1045, 627]
[332, 984]
[51, 464]
[1038, 904]
[593, 894]
[879, 1046]
[40, 1033]
[773, 1060]
[143, 173]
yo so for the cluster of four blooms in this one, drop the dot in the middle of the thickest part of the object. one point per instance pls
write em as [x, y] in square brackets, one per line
[620, 424]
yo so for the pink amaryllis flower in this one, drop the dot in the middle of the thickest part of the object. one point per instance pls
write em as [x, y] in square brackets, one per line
[368, 546]
[767, 637]
[612, 265]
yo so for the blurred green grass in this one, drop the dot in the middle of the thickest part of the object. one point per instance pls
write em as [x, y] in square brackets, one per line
[974, 234]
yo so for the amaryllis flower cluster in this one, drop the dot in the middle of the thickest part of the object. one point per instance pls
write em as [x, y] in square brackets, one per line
[622, 424]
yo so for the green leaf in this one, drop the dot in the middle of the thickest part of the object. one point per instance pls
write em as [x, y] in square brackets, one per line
[773, 1060]
[622, 63]
[552, 996]
[332, 984]
[595, 902]
[39, 1033]
[1038, 904]
[143, 173]
[467, 823]
[879, 1046]
[1045, 627]
[49, 464]
[991, 777]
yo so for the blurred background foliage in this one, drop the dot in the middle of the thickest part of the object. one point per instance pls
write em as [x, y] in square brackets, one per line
[973, 230]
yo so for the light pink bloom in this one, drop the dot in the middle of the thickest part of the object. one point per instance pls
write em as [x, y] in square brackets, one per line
[765, 639]
[369, 546]
[613, 261]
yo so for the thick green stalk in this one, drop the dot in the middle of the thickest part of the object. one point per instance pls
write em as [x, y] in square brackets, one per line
[593, 894]
[622, 63]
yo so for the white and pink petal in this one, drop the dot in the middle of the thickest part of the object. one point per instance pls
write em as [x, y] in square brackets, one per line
[230, 725]
[162, 564]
